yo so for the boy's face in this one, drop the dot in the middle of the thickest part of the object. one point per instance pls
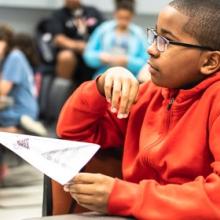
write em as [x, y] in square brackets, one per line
[176, 67]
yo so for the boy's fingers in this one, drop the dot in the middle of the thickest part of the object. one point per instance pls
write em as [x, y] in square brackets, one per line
[132, 96]
[66, 188]
[116, 93]
[86, 178]
[89, 207]
[83, 199]
[108, 88]
[124, 99]
[87, 189]
[90, 202]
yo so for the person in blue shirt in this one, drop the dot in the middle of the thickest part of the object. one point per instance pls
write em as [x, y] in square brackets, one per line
[118, 42]
[17, 81]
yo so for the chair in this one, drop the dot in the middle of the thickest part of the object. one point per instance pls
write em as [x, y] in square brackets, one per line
[58, 94]
[44, 92]
[53, 94]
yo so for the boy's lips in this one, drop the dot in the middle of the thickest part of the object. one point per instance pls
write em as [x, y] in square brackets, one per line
[153, 68]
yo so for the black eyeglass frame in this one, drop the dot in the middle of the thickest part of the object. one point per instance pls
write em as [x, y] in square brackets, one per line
[176, 42]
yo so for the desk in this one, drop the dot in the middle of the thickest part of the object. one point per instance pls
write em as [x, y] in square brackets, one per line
[83, 216]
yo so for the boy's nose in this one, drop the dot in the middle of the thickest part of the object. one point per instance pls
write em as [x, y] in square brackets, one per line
[153, 51]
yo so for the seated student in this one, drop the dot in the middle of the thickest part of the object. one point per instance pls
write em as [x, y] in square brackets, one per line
[71, 27]
[117, 42]
[171, 164]
[5, 101]
[17, 81]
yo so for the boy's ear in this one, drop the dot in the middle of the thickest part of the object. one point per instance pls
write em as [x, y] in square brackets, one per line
[210, 63]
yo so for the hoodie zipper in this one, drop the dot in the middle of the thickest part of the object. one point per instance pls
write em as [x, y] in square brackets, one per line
[170, 103]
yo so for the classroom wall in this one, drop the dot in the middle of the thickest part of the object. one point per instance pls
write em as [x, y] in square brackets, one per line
[143, 6]
[23, 15]
[26, 19]
[22, 19]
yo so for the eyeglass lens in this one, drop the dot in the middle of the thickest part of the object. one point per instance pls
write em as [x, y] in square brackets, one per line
[160, 41]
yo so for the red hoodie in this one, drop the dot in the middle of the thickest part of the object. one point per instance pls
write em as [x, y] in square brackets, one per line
[171, 162]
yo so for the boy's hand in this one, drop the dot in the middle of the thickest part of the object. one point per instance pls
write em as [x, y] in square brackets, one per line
[91, 190]
[120, 88]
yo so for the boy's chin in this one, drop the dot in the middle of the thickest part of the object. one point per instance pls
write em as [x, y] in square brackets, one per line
[155, 82]
[160, 84]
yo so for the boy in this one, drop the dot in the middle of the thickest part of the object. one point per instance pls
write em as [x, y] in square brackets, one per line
[171, 161]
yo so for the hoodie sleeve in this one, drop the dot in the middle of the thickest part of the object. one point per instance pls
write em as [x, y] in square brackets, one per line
[86, 117]
[198, 199]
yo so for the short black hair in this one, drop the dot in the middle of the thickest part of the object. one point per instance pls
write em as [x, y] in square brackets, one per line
[125, 4]
[204, 22]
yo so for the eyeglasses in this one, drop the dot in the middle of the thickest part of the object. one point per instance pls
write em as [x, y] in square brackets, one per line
[162, 43]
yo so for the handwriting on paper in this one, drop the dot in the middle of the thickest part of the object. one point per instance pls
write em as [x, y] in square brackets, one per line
[24, 143]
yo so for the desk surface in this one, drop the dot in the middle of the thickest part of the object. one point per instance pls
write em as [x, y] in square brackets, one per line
[84, 216]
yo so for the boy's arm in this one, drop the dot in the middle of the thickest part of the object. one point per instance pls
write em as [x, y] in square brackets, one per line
[199, 199]
[85, 117]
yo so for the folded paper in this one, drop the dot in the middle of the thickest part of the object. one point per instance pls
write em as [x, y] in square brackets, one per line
[59, 159]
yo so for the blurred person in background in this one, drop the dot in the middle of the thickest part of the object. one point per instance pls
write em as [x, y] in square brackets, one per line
[19, 60]
[71, 27]
[6, 38]
[118, 42]
[5, 35]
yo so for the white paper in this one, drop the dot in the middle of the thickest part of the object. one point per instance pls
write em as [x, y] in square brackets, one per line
[59, 159]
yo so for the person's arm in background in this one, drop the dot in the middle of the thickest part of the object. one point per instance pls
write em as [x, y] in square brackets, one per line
[94, 55]
[11, 73]
[137, 60]
[3, 46]
[93, 52]
[63, 41]
[5, 87]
